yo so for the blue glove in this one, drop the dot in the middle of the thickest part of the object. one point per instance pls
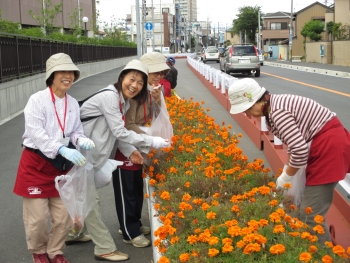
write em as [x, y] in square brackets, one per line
[72, 155]
[86, 143]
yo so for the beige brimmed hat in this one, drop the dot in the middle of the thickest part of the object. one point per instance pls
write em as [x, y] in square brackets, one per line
[155, 61]
[243, 94]
[135, 65]
[61, 62]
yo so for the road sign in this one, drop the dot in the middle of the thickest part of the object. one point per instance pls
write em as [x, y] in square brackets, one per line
[148, 26]
[149, 34]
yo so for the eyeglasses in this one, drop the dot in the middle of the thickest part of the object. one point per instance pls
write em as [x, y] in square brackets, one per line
[160, 73]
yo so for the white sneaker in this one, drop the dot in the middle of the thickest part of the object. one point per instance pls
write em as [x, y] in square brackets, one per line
[140, 241]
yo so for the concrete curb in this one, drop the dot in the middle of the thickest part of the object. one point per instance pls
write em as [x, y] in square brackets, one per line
[310, 69]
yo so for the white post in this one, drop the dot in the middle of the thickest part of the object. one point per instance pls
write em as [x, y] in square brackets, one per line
[277, 143]
[263, 125]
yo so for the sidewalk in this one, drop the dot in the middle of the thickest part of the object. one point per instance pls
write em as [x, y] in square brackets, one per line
[326, 69]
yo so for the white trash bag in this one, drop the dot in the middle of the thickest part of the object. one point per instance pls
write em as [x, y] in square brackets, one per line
[104, 175]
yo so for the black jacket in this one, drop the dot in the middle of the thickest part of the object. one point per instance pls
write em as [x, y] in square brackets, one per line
[172, 77]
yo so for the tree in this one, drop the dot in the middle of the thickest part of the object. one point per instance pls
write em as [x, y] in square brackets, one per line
[247, 22]
[312, 30]
[8, 26]
[47, 16]
[340, 31]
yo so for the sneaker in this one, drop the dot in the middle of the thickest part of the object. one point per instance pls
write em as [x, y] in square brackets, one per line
[71, 240]
[144, 230]
[59, 259]
[114, 256]
[140, 241]
[40, 258]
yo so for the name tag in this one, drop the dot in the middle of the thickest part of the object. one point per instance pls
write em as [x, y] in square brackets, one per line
[64, 141]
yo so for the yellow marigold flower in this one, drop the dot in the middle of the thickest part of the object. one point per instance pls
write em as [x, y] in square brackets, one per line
[278, 229]
[186, 197]
[211, 215]
[163, 259]
[184, 257]
[165, 195]
[212, 252]
[305, 257]
[277, 249]
[318, 219]
[319, 229]
[312, 249]
[308, 210]
[339, 250]
[227, 248]
[327, 259]
[174, 240]
[187, 184]
[192, 239]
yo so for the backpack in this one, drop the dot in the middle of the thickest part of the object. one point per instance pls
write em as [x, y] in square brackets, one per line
[81, 102]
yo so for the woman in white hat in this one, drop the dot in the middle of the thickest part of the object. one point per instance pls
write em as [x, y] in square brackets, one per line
[297, 121]
[103, 117]
[127, 180]
[52, 131]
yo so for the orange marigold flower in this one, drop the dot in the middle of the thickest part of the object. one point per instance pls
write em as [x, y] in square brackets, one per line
[192, 239]
[152, 182]
[348, 250]
[312, 249]
[212, 252]
[163, 259]
[292, 207]
[197, 201]
[146, 195]
[275, 217]
[319, 229]
[252, 247]
[287, 185]
[227, 240]
[181, 214]
[240, 244]
[264, 190]
[223, 178]
[205, 206]
[157, 242]
[327, 259]
[308, 210]
[318, 219]
[305, 235]
[234, 231]
[278, 229]
[294, 234]
[187, 184]
[277, 249]
[186, 197]
[184, 257]
[216, 195]
[156, 207]
[194, 253]
[213, 240]
[211, 215]
[339, 250]
[263, 222]
[165, 195]
[305, 257]
[235, 208]
[328, 244]
[273, 203]
[197, 230]
[174, 240]
[227, 248]
[214, 203]
[154, 194]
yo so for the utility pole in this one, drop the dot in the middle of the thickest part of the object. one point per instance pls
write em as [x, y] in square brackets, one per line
[291, 31]
[259, 41]
[153, 25]
[138, 28]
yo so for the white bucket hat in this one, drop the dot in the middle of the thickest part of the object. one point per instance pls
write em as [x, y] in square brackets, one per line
[135, 65]
[155, 61]
[243, 94]
[61, 62]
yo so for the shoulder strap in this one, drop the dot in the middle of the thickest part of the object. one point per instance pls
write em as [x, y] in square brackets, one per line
[81, 102]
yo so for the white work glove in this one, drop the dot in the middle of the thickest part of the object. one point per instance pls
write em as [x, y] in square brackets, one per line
[86, 143]
[284, 178]
[72, 155]
[158, 142]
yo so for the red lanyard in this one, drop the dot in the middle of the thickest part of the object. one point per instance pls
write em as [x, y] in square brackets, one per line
[65, 111]
[121, 107]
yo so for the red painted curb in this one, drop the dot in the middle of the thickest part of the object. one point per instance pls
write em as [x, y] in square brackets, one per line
[338, 216]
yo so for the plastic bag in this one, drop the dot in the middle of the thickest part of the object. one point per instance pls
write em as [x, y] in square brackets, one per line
[104, 175]
[78, 193]
[298, 186]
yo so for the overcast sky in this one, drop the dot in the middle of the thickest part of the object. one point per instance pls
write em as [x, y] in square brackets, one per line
[222, 11]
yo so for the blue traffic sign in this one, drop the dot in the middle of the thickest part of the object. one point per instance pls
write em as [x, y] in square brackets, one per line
[149, 26]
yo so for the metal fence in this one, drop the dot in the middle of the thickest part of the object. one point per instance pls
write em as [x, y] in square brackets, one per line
[23, 56]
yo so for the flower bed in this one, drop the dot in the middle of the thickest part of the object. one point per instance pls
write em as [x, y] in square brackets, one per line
[217, 206]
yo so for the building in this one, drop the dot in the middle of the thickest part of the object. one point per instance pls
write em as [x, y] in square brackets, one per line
[17, 11]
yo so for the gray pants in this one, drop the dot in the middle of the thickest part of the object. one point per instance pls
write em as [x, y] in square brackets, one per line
[319, 198]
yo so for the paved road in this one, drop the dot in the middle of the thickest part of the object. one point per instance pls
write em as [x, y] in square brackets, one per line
[13, 247]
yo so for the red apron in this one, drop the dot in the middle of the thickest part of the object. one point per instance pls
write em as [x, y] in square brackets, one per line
[36, 177]
[329, 157]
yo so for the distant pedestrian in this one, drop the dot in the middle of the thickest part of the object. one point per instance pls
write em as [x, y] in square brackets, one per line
[169, 82]
[298, 121]
[270, 52]
[52, 131]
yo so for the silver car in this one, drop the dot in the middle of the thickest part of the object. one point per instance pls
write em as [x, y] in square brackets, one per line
[211, 54]
[241, 58]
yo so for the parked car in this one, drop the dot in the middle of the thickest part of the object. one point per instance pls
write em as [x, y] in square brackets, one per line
[241, 58]
[211, 54]
[261, 57]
